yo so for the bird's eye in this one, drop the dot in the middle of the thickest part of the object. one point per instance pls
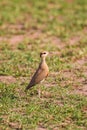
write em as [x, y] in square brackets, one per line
[44, 53]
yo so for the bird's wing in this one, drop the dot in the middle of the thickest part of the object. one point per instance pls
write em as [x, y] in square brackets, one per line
[39, 75]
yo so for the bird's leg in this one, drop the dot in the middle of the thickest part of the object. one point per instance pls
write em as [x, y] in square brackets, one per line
[39, 92]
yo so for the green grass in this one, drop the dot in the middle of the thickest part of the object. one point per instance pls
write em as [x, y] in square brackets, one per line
[56, 26]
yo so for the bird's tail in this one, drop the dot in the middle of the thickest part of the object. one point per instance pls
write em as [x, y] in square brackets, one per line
[28, 87]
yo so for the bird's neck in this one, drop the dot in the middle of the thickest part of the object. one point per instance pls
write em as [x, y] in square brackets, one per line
[43, 59]
[43, 64]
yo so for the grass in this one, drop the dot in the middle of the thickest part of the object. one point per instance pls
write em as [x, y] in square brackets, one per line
[56, 26]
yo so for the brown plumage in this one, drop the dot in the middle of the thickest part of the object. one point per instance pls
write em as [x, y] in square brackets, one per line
[41, 73]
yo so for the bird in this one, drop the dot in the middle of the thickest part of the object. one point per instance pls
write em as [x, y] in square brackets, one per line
[41, 72]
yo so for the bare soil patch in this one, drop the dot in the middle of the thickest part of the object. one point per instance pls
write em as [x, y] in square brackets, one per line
[74, 40]
[16, 39]
[81, 62]
[77, 77]
[70, 1]
[15, 125]
[40, 128]
[7, 79]
[57, 42]
[81, 90]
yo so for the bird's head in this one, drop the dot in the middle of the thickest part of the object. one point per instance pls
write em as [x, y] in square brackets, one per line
[43, 54]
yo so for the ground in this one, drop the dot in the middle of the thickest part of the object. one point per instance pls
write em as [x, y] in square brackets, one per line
[28, 27]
